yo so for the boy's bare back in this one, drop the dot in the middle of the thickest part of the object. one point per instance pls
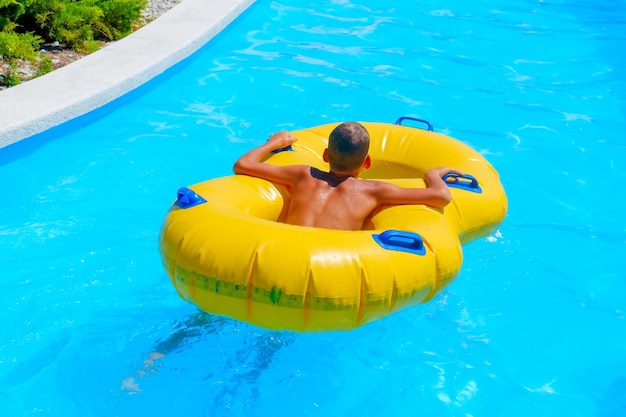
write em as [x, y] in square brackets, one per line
[321, 199]
[338, 199]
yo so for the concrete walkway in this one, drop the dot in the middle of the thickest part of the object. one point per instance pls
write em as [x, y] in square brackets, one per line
[78, 88]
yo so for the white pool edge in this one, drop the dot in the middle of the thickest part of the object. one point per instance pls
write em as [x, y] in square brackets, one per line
[95, 80]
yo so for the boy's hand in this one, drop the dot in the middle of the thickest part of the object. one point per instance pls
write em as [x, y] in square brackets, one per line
[281, 140]
[443, 171]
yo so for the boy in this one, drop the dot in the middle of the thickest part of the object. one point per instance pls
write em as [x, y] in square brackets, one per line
[338, 199]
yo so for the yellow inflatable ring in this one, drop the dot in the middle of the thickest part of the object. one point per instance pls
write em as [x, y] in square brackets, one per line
[224, 250]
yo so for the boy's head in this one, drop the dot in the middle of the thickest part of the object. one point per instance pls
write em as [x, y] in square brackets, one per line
[348, 145]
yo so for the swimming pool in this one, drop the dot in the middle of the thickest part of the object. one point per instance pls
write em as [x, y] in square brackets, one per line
[534, 324]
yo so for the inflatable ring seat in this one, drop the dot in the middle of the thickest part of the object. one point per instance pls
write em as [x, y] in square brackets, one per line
[223, 249]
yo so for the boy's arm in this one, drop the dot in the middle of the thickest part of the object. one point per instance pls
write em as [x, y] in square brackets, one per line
[250, 163]
[436, 194]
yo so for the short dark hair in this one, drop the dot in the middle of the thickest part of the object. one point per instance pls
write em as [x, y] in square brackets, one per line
[348, 145]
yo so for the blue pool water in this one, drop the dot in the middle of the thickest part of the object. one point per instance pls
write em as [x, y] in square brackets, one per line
[535, 323]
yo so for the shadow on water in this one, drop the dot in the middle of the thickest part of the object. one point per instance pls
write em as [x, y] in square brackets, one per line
[225, 357]
[201, 326]
[613, 403]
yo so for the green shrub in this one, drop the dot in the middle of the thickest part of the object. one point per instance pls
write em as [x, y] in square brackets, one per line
[45, 66]
[73, 24]
[11, 79]
[121, 15]
[81, 24]
[19, 45]
[10, 10]
[15, 46]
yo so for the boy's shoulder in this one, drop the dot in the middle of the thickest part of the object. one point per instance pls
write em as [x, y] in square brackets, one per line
[373, 183]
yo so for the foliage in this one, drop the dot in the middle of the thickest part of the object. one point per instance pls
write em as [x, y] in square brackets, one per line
[45, 66]
[10, 10]
[20, 46]
[11, 78]
[15, 46]
[80, 24]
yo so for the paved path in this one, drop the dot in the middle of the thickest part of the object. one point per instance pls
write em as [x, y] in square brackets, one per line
[103, 76]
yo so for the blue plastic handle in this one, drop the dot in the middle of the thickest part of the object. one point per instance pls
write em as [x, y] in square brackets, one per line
[188, 198]
[287, 148]
[465, 182]
[401, 240]
[414, 119]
